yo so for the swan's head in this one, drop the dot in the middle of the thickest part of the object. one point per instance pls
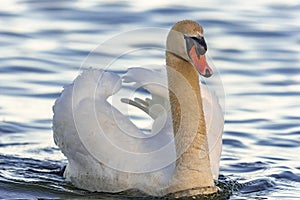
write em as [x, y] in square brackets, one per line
[186, 40]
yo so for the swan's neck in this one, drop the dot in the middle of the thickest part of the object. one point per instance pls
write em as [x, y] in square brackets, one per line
[192, 165]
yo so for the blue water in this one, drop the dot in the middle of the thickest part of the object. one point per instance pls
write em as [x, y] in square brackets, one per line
[254, 44]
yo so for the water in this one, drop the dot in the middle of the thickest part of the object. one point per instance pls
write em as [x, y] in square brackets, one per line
[254, 44]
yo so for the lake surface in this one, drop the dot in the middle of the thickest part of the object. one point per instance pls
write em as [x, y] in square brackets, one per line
[254, 44]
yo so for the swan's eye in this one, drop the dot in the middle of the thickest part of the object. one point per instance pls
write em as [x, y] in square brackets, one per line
[198, 42]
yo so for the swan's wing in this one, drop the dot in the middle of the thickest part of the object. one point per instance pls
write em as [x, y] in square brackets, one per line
[214, 126]
[158, 106]
[154, 82]
[99, 141]
[82, 109]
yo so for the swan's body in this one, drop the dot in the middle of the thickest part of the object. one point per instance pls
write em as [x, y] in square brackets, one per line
[85, 123]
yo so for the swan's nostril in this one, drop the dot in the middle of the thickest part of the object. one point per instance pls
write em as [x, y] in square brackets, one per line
[207, 73]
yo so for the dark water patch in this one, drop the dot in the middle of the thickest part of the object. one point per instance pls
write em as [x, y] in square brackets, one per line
[32, 178]
[143, 46]
[171, 10]
[98, 31]
[8, 161]
[38, 64]
[246, 110]
[292, 118]
[10, 127]
[50, 32]
[108, 16]
[57, 35]
[279, 126]
[239, 134]
[293, 133]
[242, 71]
[48, 150]
[51, 8]
[46, 5]
[77, 52]
[16, 144]
[258, 34]
[26, 93]
[114, 5]
[24, 69]
[284, 6]
[274, 59]
[43, 121]
[66, 52]
[60, 83]
[246, 121]
[15, 127]
[24, 190]
[52, 95]
[234, 143]
[8, 14]
[275, 94]
[228, 159]
[37, 60]
[230, 51]
[280, 83]
[15, 35]
[279, 51]
[287, 176]
[285, 70]
[249, 167]
[279, 142]
[261, 186]
[12, 91]
[46, 2]
[273, 158]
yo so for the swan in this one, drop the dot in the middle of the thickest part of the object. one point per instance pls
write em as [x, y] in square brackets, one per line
[106, 151]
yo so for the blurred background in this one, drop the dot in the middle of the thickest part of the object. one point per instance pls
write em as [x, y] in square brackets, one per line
[254, 44]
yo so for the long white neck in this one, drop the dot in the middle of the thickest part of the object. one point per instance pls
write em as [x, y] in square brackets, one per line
[193, 164]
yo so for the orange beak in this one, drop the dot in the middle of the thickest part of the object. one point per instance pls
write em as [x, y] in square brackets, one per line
[200, 63]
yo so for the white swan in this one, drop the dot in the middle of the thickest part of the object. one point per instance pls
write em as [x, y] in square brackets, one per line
[106, 152]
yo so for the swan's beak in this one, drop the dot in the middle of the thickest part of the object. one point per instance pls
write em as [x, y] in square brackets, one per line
[200, 62]
[196, 48]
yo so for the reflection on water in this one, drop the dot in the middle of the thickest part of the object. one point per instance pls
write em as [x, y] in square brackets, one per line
[255, 45]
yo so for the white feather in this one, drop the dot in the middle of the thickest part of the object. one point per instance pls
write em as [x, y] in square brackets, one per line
[86, 127]
[85, 123]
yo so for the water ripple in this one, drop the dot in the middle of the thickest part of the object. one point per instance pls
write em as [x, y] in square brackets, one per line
[256, 49]
[279, 142]
[287, 176]
[250, 167]
[262, 185]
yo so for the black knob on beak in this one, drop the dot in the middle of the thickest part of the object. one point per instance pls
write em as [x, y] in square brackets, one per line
[207, 73]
